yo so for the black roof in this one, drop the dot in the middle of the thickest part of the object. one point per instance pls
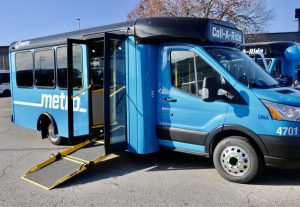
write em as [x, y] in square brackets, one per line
[270, 49]
[147, 30]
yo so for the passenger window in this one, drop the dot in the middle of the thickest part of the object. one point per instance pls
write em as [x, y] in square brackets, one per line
[188, 71]
[44, 68]
[62, 65]
[77, 66]
[183, 71]
[205, 70]
[277, 69]
[24, 69]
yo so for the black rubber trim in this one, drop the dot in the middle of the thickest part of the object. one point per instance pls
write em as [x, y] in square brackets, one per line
[47, 114]
[181, 135]
[238, 128]
[282, 146]
[282, 163]
[210, 139]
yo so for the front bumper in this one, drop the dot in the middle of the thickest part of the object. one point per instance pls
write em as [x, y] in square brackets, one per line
[282, 163]
[283, 151]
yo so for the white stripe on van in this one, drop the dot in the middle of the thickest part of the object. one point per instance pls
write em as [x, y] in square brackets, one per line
[28, 104]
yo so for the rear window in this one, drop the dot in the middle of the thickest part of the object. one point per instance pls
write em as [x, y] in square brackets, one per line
[24, 69]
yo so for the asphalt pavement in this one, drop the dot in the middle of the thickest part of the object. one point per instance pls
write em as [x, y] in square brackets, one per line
[161, 179]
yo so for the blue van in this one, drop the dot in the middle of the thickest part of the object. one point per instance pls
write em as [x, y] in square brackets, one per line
[282, 59]
[171, 83]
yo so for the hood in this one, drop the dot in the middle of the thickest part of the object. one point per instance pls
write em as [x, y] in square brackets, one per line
[285, 95]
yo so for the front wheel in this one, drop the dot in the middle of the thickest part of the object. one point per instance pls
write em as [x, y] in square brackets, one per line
[236, 160]
[52, 135]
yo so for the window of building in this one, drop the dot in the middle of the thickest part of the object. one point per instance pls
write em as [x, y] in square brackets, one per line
[4, 58]
[24, 69]
[44, 68]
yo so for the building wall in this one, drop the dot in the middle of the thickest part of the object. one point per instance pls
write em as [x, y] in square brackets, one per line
[4, 58]
[271, 37]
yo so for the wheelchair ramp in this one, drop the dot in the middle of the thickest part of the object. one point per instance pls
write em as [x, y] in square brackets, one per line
[66, 164]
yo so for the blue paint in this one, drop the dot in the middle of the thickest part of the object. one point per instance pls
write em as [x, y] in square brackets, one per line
[181, 146]
[27, 116]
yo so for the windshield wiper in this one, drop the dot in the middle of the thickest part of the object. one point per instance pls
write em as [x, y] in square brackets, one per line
[276, 86]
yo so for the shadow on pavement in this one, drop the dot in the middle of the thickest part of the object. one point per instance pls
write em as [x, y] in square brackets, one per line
[277, 177]
[126, 163]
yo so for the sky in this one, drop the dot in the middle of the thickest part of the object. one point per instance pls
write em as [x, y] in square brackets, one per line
[26, 19]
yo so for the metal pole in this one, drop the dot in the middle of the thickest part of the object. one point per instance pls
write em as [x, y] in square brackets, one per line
[78, 23]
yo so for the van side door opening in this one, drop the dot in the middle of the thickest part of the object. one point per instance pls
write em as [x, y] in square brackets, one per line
[115, 113]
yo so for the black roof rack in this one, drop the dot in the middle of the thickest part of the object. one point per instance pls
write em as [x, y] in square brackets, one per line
[150, 30]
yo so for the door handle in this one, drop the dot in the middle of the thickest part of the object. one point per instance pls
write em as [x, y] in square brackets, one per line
[171, 99]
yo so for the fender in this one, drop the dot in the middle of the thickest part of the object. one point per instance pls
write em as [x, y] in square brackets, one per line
[50, 117]
[224, 128]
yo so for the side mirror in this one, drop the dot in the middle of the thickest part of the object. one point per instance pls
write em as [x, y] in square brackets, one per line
[210, 89]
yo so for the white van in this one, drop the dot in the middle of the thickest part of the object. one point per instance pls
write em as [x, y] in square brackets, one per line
[4, 83]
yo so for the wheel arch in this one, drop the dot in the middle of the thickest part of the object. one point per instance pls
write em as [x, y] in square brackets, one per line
[6, 92]
[233, 130]
[43, 120]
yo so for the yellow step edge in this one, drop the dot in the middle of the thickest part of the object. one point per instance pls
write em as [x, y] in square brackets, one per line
[76, 161]
[34, 183]
[77, 158]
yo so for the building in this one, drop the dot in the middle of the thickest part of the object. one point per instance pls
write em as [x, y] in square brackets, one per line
[4, 58]
[280, 36]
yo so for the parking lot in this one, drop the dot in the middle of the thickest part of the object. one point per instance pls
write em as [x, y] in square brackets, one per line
[161, 179]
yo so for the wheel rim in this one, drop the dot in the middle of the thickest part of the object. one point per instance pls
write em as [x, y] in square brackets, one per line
[235, 161]
[51, 132]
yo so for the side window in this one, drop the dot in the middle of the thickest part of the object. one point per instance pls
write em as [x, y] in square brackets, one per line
[24, 69]
[183, 71]
[44, 68]
[77, 66]
[62, 65]
[188, 71]
[204, 70]
[277, 69]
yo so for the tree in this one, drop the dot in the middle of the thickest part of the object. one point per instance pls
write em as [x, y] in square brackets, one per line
[252, 16]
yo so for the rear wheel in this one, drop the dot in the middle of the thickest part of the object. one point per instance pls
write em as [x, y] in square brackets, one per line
[52, 135]
[236, 160]
[6, 93]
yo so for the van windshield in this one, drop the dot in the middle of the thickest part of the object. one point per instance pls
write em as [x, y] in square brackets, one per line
[242, 67]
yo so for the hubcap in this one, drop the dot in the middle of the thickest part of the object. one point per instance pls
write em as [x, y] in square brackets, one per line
[235, 161]
[51, 132]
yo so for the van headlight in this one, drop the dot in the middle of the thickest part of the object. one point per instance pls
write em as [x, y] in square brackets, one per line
[282, 112]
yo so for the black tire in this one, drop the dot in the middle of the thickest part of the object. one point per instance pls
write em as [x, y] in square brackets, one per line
[236, 160]
[6, 93]
[53, 137]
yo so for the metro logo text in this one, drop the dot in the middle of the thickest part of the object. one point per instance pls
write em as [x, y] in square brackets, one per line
[59, 102]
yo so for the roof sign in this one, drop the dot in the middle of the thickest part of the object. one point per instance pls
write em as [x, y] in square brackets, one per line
[224, 34]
